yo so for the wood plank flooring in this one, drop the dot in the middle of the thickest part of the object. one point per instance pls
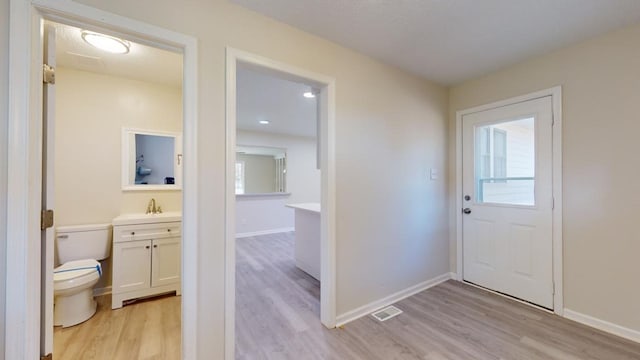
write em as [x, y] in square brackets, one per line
[277, 317]
[148, 329]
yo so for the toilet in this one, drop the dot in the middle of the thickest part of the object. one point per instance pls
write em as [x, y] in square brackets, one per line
[79, 249]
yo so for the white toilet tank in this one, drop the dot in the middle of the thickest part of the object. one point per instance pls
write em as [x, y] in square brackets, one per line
[83, 242]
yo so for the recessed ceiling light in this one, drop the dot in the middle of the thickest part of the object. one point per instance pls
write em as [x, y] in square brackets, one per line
[309, 95]
[105, 42]
[264, 122]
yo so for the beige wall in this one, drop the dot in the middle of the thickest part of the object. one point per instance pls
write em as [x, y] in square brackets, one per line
[387, 212]
[4, 90]
[600, 80]
[91, 110]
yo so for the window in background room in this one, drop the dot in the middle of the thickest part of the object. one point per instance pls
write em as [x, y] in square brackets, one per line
[239, 177]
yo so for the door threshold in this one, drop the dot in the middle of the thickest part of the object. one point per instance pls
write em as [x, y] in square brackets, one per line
[510, 297]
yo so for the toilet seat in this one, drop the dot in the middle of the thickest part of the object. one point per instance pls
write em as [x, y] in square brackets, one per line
[75, 273]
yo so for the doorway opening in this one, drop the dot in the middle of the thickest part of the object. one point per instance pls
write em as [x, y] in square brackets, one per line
[280, 220]
[509, 179]
[277, 207]
[27, 274]
[112, 170]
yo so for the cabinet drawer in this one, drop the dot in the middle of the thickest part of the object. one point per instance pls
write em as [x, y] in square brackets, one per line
[146, 231]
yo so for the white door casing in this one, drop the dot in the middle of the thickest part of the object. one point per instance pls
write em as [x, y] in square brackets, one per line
[507, 234]
[48, 198]
[24, 255]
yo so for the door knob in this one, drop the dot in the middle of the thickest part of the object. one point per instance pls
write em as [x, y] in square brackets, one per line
[466, 211]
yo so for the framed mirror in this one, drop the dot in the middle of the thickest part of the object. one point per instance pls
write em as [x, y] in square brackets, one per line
[151, 160]
[261, 170]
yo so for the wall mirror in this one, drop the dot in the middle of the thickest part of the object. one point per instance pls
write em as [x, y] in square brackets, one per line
[151, 160]
[261, 170]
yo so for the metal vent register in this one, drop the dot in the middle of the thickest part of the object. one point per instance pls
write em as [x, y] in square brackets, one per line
[386, 313]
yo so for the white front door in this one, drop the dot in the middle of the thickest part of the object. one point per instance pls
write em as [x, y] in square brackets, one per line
[507, 200]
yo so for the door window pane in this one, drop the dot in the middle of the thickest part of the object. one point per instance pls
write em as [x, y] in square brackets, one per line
[505, 163]
[485, 152]
[499, 153]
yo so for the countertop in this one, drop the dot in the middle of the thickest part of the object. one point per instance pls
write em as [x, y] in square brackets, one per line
[130, 219]
[312, 207]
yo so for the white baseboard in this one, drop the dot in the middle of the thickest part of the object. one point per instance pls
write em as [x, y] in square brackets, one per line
[102, 291]
[264, 232]
[611, 328]
[391, 299]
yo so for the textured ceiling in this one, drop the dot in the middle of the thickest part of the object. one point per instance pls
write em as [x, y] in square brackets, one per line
[143, 62]
[450, 41]
[261, 96]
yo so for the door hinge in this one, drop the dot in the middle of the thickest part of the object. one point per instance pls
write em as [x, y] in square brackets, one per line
[553, 203]
[553, 288]
[46, 219]
[48, 74]
[49, 356]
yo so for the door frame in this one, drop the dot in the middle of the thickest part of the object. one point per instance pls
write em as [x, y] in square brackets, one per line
[326, 153]
[556, 101]
[22, 313]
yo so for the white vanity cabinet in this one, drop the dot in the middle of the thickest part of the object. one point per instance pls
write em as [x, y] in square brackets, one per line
[146, 257]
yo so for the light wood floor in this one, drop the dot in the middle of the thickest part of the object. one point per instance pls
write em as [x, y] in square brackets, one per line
[277, 317]
[148, 329]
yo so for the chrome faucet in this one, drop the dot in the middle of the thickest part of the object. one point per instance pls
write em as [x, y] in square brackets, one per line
[151, 207]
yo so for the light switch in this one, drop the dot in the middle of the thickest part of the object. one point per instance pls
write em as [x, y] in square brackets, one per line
[433, 174]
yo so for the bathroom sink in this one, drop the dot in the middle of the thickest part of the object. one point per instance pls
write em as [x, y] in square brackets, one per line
[130, 219]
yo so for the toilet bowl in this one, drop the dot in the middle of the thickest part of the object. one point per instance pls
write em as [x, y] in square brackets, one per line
[73, 291]
[79, 249]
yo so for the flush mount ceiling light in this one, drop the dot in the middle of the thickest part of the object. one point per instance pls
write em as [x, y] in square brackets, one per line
[105, 42]
[309, 95]
[264, 122]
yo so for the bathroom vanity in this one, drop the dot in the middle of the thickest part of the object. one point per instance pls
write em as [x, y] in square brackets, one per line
[307, 238]
[147, 255]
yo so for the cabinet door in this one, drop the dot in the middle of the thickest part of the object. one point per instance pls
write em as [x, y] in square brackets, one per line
[165, 263]
[131, 266]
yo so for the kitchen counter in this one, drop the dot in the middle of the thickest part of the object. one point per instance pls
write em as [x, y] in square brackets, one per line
[313, 207]
[307, 237]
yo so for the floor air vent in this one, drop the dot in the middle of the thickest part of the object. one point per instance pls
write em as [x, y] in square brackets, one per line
[386, 313]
